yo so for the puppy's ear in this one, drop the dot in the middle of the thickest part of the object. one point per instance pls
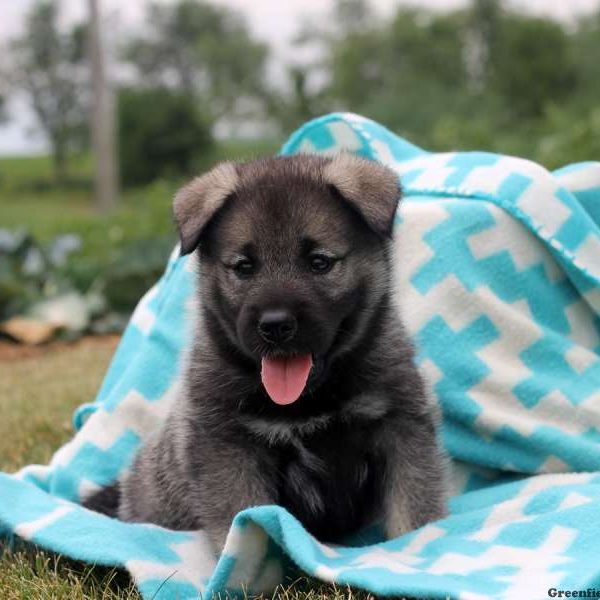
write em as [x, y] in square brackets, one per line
[196, 203]
[371, 188]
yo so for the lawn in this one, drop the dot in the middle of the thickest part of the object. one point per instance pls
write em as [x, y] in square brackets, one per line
[38, 392]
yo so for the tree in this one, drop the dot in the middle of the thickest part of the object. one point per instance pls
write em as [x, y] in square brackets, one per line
[204, 51]
[532, 65]
[352, 15]
[483, 25]
[103, 118]
[586, 50]
[405, 72]
[161, 134]
[4, 76]
[49, 68]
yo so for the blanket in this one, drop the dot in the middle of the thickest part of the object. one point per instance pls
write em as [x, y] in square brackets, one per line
[498, 277]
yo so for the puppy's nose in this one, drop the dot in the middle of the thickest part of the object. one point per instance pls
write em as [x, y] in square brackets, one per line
[277, 325]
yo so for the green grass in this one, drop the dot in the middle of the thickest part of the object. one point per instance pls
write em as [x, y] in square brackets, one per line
[47, 212]
[21, 173]
[40, 576]
[29, 575]
[35, 172]
[37, 397]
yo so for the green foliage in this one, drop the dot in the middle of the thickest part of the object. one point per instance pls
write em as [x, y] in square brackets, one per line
[484, 77]
[404, 72]
[484, 73]
[118, 258]
[49, 68]
[479, 78]
[570, 137]
[585, 48]
[531, 65]
[134, 271]
[161, 134]
[204, 50]
[289, 110]
[30, 271]
[49, 283]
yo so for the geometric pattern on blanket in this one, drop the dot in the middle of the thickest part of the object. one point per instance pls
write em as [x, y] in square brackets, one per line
[498, 277]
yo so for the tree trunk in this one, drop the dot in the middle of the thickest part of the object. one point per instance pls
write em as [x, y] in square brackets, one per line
[103, 119]
[60, 161]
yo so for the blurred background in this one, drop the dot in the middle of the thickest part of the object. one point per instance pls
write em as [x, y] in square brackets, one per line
[107, 106]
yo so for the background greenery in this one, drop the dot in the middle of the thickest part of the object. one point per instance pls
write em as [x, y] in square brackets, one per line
[483, 77]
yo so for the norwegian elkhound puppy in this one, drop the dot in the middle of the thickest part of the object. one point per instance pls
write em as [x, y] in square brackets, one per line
[300, 388]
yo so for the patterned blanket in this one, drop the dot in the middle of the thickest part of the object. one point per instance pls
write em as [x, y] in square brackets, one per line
[498, 274]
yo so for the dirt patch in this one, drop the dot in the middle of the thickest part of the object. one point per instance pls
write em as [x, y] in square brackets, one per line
[11, 351]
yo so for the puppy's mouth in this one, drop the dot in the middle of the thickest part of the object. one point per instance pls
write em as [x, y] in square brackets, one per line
[284, 377]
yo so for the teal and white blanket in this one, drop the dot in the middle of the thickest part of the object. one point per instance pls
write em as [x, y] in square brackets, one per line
[498, 274]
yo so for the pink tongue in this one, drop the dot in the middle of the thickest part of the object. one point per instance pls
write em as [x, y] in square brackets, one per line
[285, 378]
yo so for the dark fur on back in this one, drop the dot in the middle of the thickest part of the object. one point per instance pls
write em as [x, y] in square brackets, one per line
[360, 443]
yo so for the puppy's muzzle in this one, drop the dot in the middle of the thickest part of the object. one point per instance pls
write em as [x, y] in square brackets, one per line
[277, 326]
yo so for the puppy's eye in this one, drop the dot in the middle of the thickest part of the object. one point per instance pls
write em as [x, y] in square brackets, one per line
[320, 263]
[244, 268]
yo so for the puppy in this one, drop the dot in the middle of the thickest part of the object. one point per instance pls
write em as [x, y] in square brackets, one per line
[300, 389]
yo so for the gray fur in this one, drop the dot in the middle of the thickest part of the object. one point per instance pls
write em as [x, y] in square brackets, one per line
[360, 444]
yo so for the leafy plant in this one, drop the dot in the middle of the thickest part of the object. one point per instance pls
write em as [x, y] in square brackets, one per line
[43, 292]
[29, 271]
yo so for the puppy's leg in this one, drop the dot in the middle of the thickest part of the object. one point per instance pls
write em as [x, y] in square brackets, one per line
[232, 478]
[187, 481]
[243, 487]
[415, 484]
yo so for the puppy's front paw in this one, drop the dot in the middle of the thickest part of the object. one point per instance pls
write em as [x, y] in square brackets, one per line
[401, 517]
[218, 537]
[397, 522]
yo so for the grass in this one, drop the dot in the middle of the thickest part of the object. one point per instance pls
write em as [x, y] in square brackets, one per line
[38, 575]
[48, 211]
[44, 577]
[38, 394]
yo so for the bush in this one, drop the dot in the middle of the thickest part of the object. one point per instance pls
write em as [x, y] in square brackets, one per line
[161, 134]
[570, 136]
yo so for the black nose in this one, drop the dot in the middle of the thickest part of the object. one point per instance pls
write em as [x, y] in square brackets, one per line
[277, 326]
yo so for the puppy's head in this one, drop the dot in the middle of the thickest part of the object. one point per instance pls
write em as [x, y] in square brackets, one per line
[293, 257]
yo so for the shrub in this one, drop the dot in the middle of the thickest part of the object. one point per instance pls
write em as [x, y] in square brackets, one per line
[162, 133]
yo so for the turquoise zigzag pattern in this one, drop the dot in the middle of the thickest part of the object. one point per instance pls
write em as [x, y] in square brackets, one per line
[499, 283]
